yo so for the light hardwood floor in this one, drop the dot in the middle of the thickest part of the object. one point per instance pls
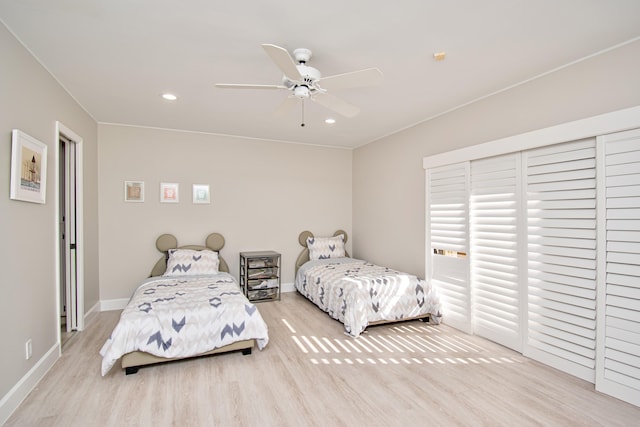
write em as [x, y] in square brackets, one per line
[311, 374]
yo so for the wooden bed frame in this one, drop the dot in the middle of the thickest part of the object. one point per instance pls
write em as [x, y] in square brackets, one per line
[303, 257]
[133, 361]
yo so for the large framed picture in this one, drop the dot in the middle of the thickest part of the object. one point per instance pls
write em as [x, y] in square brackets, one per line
[28, 168]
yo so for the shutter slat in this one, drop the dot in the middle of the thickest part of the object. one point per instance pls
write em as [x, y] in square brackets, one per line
[560, 153]
[545, 276]
[562, 195]
[623, 224]
[622, 192]
[554, 347]
[569, 304]
[624, 291]
[622, 357]
[623, 313]
[615, 181]
[586, 331]
[562, 185]
[563, 242]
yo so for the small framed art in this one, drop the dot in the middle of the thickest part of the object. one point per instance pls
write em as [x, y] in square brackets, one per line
[134, 191]
[28, 168]
[169, 192]
[201, 194]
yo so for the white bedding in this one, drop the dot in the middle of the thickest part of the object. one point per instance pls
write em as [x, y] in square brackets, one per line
[357, 292]
[183, 316]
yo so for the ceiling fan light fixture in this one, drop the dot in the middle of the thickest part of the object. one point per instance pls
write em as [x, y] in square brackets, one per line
[301, 91]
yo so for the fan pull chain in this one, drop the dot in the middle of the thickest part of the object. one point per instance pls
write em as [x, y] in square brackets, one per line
[302, 121]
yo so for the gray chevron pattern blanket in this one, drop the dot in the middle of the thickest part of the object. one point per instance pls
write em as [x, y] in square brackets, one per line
[183, 316]
[357, 292]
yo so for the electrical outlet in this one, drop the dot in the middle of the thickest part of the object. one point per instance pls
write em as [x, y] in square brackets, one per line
[28, 349]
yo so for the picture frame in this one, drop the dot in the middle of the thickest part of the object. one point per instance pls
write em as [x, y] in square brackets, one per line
[201, 194]
[169, 192]
[134, 191]
[28, 168]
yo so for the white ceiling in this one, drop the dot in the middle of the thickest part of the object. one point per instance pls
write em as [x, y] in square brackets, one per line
[117, 57]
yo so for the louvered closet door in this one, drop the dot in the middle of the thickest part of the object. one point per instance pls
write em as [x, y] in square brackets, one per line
[561, 209]
[494, 208]
[447, 222]
[619, 327]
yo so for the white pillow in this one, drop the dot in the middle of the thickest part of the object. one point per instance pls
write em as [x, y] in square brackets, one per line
[326, 247]
[190, 262]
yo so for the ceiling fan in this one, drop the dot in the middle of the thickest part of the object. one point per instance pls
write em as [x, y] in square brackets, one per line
[305, 82]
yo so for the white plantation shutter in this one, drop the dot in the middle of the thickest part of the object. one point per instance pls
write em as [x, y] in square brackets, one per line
[494, 207]
[447, 233]
[561, 220]
[618, 371]
[552, 236]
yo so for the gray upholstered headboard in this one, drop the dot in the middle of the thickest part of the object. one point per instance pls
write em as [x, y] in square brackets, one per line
[214, 241]
[304, 255]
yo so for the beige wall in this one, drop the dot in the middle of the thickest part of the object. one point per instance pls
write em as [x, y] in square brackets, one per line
[263, 194]
[388, 177]
[33, 101]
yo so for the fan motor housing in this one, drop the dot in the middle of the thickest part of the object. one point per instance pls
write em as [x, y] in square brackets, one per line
[309, 74]
[308, 77]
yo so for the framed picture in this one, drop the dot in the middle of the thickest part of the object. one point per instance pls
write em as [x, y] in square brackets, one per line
[134, 191]
[28, 168]
[201, 194]
[169, 192]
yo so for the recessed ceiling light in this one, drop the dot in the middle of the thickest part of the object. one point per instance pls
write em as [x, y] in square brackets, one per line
[330, 121]
[439, 56]
[169, 96]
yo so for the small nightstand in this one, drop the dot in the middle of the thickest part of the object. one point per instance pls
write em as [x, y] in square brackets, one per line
[260, 275]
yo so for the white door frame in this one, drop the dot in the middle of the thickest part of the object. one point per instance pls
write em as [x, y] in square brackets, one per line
[79, 293]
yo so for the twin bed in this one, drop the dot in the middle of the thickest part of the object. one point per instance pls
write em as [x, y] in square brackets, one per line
[191, 306]
[356, 292]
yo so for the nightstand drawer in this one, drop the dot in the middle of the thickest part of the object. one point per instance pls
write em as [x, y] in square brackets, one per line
[263, 294]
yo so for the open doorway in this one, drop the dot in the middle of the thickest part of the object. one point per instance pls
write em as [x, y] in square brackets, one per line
[71, 285]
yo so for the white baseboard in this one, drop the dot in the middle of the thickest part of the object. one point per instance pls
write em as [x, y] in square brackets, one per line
[91, 314]
[287, 287]
[21, 390]
[93, 310]
[113, 304]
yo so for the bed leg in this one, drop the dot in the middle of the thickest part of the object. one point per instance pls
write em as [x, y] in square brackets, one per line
[130, 370]
[246, 351]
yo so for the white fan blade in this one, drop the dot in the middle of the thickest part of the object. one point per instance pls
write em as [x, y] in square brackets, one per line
[362, 78]
[280, 56]
[336, 104]
[243, 86]
[286, 106]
